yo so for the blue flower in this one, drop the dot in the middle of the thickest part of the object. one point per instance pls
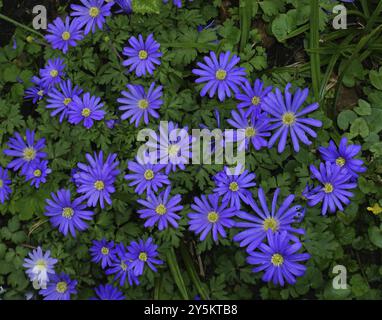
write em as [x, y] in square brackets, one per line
[221, 75]
[138, 104]
[96, 180]
[104, 252]
[287, 115]
[92, 14]
[52, 73]
[125, 6]
[161, 209]
[64, 34]
[108, 292]
[37, 173]
[5, 182]
[264, 220]
[177, 3]
[142, 253]
[66, 214]
[142, 55]
[61, 287]
[37, 92]
[211, 216]
[279, 259]
[59, 100]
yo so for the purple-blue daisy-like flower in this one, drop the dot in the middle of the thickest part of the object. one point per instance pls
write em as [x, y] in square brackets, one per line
[37, 173]
[125, 5]
[61, 287]
[37, 92]
[177, 3]
[59, 100]
[86, 110]
[39, 266]
[66, 214]
[211, 216]
[25, 152]
[121, 267]
[287, 114]
[142, 55]
[108, 292]
[92, 14]
[104, 252]
[233, 186]
[335, 184]
[221, 75]
[5, 182]
[96, 180]
[138, 104]
[252, 97]
[161, 209]
[142, 253]
[278, 219]
[146, 177]
[64, 34]
[53, 72]
[343, 156]
[279, 259]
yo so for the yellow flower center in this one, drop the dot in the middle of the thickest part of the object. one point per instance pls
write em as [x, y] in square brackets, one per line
[250, 132]
[256, 100]
[67, 213]
[65, 35]
[161, 209]
[40, 93]
[340, 162]
[67, 101]
[270, 223]
[93, 12]
[328, 188]
[213, 217]
[221, 74]
[105, 251]
[143, 256]
[41, 264]
[289, 118]
[143, 54]
[37, 173]
[173, 150]
[277, 260]
[233, 186]
[99, 185]
[86, 112]
[376, 209]
[123, 266]
[1, 183]
[29, 39]
[29, 154]
[61, 287]
[54, 73]
[143, 104]
[149, 174]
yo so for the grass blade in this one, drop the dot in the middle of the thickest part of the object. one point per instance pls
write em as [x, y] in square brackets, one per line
[315, 44]
[177, 275]
[245, 12]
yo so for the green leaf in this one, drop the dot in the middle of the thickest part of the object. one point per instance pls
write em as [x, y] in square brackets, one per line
[345, 118]
[364, 108]
[376, 78]
[146, 6]
[176, 273]
[375, 236]
[359, 127]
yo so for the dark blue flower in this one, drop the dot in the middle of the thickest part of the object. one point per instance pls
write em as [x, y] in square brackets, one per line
[61, 287]
[125, 5]
[108, 292]
[37, 92]
[52, 73]
[37, 173]
[104, 252]
[5, 182]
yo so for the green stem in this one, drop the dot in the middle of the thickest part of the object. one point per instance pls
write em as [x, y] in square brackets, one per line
[245, 12]
[315, 44]
[374, 17]
[365, 8]
[175, 271]
[18, 24]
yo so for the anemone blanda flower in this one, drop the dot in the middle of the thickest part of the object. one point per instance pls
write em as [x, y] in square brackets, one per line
[142, 253]
[177, 3]
[252, 97]
[138, 105]
[215, 145]
[146, 177]
[5, 190]
[278, 219]
[142, 55]
[37, 173]
[66, 214]
[96, 180]
[279, 259]
[256, 130]
[36, 92]
[125, 6]
[211, 216]
[59, 100]
[233, 185]
[121, 268]
[86, 109]
[221, 75]
[104, 252]
[39, 266]
[24, 152]
[52, 73]
[91, 14]
[335, 183]
[287, 115]
[108, 292]
[64, 34]
[61, 287]
[343, 156]
[161, 209]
